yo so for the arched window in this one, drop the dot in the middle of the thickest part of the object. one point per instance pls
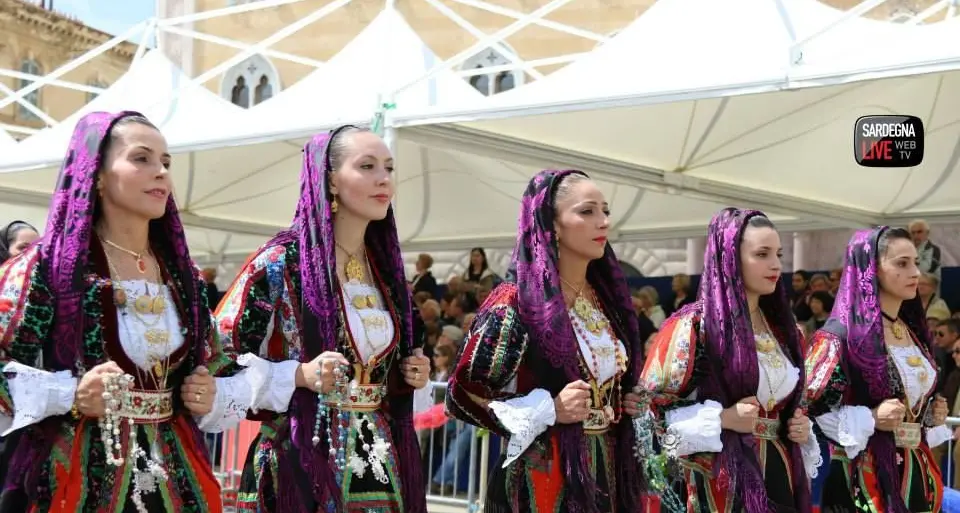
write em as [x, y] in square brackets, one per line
[251, 82]
[30, 67]
[96, 82]
[492, 83]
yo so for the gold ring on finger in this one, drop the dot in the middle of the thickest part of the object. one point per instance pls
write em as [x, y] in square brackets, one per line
[203, 390]
[196, 398]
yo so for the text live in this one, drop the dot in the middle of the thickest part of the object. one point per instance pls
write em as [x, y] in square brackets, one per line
[888, 141]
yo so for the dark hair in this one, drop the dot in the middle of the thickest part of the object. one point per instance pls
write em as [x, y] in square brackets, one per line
[483, 253]
[888, 235]
[450, 295]
[952, 324]
[105, 149]
[760, 221]
[825, 298]
[337, 146]
[9, 234]
[467, 302]
[802, 274]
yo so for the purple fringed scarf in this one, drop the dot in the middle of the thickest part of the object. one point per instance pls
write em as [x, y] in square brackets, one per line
[65, 261]
[543, 313]
[312, 229]
[731, 349]
[856, 319]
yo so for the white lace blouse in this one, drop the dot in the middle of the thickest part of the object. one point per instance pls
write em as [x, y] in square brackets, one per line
[852, 426]
[526, 417]
[37, 394]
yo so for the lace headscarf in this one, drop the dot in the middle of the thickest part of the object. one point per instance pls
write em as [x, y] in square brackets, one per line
[729, 342]
[543, 313]
[66, 262]
[857, 321]
[312, 229]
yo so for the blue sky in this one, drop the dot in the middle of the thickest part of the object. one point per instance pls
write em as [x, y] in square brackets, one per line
[112, 16]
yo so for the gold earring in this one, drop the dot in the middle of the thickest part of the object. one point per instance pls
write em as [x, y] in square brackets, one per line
[333, 205]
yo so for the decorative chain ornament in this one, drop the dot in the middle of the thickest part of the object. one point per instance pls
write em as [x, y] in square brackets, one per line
[656, 450]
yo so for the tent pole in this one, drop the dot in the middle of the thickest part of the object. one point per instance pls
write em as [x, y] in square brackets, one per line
[226, 11]
[498, 36]
[280, 35]
[477, 33]
[559, 27]
[232, 43]
[5, 89]
[796, 50]
[148, 31]
[922, 16]
[56, 83]
[74, 64]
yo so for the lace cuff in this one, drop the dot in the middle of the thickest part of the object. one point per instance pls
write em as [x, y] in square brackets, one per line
[37, 394]
[938, 435]
[810, 452]
[261, 385]
[525, 417]
[697, 427]
[851, 427]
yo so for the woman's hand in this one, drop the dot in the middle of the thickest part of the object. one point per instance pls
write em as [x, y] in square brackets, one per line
[798, 428]
[89, 397]
[572, 404]
[631, 404]
[319, 374]
[416, 369]
[889, 415]
[940, 411]
[198, 391]
[741, 417]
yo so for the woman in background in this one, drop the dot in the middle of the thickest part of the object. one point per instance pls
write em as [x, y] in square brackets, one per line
[16, 237]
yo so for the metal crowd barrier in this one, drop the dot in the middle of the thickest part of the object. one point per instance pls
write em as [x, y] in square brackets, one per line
[443, 463]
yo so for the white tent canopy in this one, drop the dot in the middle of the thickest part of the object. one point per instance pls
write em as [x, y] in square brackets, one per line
[355, 83]
[187, 113]
[701, 127]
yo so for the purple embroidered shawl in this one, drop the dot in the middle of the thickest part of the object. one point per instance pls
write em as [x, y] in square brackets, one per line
[65, 260]
[732, 355]
[312, 229]
[857, 321]
[543, 313]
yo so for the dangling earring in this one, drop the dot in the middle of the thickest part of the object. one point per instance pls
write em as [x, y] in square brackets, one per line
[100, 186]
[334, 206]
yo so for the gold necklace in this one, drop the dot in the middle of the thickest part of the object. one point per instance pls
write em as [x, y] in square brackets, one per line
[141, 263]
[353, 269]
[146, 303]
[765, 341]
[586, 311]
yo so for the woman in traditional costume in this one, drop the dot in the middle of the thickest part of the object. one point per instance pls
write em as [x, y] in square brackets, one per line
[328, 300]
[726, 377]
[871, 380]
[546, 356]
[104, 328]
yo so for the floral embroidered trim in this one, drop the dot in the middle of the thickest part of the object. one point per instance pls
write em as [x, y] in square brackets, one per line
[767, 429]
[149, 406]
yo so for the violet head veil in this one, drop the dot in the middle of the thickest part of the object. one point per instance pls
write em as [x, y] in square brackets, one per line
[731, 350]
[312, 228]
[856, 319]
[65, 263]
[66, 241]
[544, 315]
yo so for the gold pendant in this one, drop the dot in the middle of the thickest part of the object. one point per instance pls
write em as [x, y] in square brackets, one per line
[922, 377]
[156, 337]
[353, 270]
[119, 296]
[771, 404]
[914, 361]
[766, 345]
[158, 305]
[141, 265]
[897, 330]
[359, 302]
[143, 304]
[158, 369]
[582, 308]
